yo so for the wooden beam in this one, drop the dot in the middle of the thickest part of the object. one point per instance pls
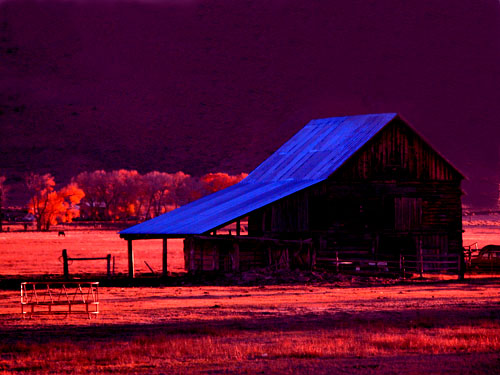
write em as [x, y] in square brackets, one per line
[164, 257]
[151, 236]
[256, 239]
[131, 269]
[238, 227]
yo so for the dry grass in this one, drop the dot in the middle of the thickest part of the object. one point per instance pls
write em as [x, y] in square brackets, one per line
[229, 348]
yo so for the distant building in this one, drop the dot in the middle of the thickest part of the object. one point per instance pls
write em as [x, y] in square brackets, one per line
[347, 193]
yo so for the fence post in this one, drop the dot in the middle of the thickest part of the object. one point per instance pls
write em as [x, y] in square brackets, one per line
[337, 260]
[131, 267]
[65, 264]
[461, 266]
[164, 257]
[108, 259]
[421, 264]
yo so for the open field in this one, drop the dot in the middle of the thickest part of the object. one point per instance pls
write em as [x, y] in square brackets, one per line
[408, 328]
[37, 253]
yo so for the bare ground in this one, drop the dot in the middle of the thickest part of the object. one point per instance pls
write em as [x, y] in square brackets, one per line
[409, 328]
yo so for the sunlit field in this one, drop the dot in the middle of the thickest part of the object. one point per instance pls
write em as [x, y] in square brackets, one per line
[355, 325]
[38, 253]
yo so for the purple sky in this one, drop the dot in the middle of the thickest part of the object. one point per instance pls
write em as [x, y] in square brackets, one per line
[204, 86]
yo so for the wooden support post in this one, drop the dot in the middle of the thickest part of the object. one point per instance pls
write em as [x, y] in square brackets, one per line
[313, 255]
[108, 259]
[421, 264]
[461, 265]
[238, 227]
[131, 269]
[192, 263]
[164, 257]
[65, 264]
[236, 257]
[337, 261]
[202, 246]
[287, 259]
[215, 258]
[421, 257]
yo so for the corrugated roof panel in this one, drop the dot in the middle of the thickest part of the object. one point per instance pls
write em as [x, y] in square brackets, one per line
[343, 144]
[300, 138]
[339, 137]
[302, 171]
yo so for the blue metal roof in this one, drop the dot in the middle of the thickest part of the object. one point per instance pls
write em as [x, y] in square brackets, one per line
[309, 157]
[321, 147]
[219, 208]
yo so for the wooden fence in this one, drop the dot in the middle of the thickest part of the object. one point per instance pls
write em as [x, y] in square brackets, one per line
[406, 265]
[66, 261]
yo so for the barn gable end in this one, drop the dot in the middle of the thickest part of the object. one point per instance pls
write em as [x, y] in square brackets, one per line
[398, 152]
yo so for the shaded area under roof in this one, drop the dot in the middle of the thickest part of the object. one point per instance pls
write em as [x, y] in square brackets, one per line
[308, 158]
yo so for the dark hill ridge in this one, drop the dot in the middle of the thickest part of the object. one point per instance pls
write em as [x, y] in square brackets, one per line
[207, 86]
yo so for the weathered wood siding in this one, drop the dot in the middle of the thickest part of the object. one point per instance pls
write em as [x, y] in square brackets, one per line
[398, 153]
[384, 218]
[286, 216]
[232, 253]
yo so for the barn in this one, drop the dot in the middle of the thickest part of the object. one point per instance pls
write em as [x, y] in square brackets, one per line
[354, 193]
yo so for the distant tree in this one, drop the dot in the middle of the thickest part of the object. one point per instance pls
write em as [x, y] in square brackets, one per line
[3, 195]
[213, 182]
[127, 193]
[94, 185]
[157, 193]
[108, 194]
[183, 189]
[126, 188]
[39, 187]
[49, 206]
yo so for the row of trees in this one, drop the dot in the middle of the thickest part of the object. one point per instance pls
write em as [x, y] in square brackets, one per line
[125, 194]
[115, 195]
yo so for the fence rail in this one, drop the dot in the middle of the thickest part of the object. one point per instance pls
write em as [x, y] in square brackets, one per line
[405, 265]
[66, 259]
